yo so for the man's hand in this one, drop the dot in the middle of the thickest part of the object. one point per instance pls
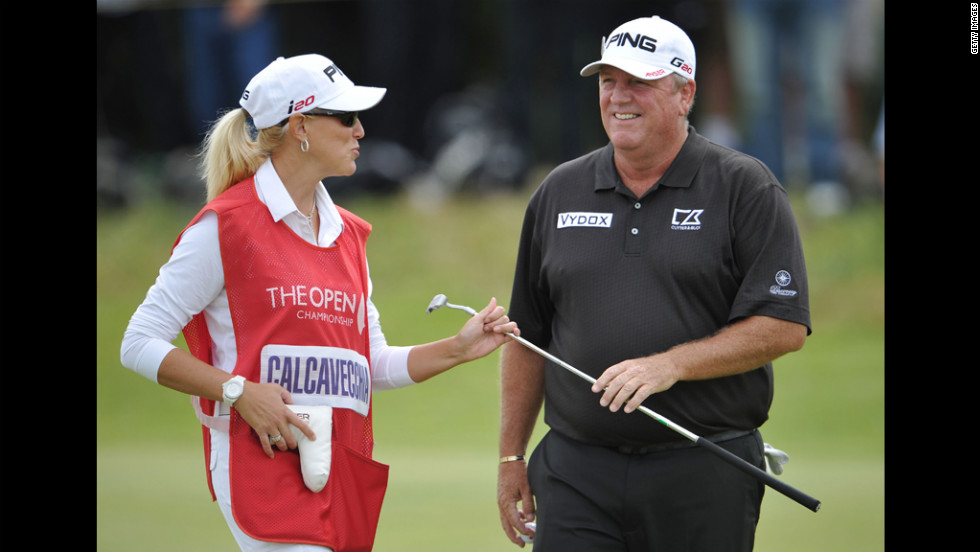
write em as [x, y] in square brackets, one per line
[632, 381]
[515, 501]
[742, 346]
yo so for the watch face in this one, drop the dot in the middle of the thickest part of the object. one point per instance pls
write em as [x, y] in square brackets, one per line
[234, 389]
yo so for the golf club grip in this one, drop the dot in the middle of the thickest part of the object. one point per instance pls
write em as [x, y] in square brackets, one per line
[769, 479]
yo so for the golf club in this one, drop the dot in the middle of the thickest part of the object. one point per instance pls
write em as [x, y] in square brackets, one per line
[802, 498]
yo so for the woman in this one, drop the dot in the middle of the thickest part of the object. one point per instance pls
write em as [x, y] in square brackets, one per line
[269, 284]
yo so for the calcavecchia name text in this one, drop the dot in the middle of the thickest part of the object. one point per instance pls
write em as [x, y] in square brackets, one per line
[319, 375]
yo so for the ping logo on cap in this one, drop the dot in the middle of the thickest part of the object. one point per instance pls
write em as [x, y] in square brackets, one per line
[648, 48]
[332, 70]
[649, 44]
[641, 41]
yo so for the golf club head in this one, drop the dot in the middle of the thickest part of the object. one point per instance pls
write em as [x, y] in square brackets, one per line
[437, 302]
[440, 301]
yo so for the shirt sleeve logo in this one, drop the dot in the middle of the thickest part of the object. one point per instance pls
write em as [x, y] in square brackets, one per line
[783, 279]
[589, 220]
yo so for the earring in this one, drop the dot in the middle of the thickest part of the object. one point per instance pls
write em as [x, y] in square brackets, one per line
[304, 146]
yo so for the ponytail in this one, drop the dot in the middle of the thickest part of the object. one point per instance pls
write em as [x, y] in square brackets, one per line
[229, 155]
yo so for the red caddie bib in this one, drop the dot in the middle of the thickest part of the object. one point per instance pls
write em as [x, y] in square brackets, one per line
[300, 317]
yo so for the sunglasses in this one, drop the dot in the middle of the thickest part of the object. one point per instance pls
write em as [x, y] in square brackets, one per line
[347, 118]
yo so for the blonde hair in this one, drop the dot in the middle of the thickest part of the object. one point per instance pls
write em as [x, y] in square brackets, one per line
[229, 155]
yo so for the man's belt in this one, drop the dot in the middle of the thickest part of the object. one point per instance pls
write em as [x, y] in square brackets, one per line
[673, 445]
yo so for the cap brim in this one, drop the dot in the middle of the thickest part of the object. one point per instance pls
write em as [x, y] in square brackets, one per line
[638, 70]
[358, 98]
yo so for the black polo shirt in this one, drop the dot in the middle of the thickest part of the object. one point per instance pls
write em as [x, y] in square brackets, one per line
[603, 276]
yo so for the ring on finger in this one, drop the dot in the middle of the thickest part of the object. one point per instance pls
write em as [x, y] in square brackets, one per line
[275, 439]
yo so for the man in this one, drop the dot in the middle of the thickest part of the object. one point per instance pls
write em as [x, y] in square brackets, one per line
[670, 269]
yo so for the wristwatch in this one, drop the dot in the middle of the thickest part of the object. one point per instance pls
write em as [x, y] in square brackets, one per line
[232, 389]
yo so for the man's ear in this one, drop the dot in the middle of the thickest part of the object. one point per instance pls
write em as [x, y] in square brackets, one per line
[687, 93]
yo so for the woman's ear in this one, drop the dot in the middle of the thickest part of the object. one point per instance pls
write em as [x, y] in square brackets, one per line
[297, 126]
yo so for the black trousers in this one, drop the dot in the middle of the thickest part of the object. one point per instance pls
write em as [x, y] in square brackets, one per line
[598, 499]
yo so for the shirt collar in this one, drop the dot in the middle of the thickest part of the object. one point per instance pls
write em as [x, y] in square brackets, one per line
[679, 174]
[273, 193]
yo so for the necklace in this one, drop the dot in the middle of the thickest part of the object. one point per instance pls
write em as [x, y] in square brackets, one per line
[309, 217]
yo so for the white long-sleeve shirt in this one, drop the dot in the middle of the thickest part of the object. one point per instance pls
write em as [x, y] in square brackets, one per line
[193, 281]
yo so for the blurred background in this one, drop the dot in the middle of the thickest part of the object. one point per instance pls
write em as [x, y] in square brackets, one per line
[482, 91]
[484, 97]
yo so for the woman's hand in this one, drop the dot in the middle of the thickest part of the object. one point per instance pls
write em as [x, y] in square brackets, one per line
[479, 337]
[483, 333]
[263, 406]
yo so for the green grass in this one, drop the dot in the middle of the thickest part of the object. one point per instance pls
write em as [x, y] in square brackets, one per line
[440, 437]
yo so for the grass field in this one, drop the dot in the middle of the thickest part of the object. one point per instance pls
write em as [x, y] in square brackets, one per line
[440, 437]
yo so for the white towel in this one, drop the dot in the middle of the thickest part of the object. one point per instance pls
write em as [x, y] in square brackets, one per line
[314, 456]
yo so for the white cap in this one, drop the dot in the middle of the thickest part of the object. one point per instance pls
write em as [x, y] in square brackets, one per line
[648, 48]
[301, 83]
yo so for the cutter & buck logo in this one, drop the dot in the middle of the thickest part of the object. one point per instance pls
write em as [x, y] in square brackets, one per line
[686, 219]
